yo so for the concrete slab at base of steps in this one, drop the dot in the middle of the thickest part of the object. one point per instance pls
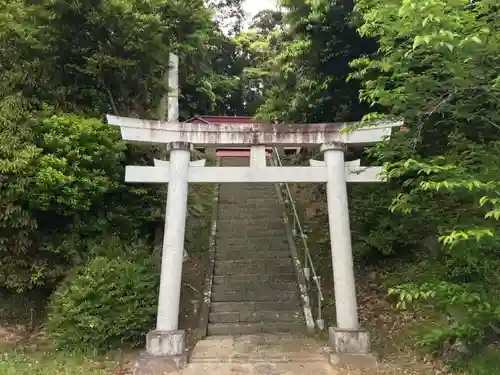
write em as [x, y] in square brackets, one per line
[256, 316]
[268, 368]
[277, 347]
[254, 328]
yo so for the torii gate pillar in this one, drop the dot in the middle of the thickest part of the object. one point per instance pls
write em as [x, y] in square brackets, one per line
[350, 343]
[173, 238]
[167, 340]
[340, 236]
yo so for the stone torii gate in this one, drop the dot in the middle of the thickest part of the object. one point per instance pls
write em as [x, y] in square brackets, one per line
[347, 338]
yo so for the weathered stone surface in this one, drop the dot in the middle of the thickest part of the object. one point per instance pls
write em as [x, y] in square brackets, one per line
[264, 354]
[249, 225]
[349, 341]
[255, 316]
[295, 368]
[245, 328]
[351, 347]
[353, 360]
[250, 234]
[263, 295]
[269, 278]
[267, 266]
[254, 286]
[165, 343]
[253, 306]
[252, 243]
[277, 347]
[151, 365]
[239, 252]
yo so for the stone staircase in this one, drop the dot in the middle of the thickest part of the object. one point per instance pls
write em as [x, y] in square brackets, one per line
[254, 286]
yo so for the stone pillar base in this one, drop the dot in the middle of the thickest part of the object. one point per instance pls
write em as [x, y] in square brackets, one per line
[165, 354]
[351, 347]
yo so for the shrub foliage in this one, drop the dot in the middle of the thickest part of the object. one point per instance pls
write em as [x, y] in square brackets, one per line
[104, 304]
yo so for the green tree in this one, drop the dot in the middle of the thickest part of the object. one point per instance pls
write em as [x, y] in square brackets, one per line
[437, 66]
[318, 41]
[63, 65]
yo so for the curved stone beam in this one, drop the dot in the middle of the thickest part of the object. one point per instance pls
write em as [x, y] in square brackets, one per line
[208, 134]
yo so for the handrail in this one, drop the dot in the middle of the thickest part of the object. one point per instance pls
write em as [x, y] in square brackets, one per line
[307, 258]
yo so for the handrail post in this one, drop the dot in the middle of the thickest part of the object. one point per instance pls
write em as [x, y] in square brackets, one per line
[320, 322]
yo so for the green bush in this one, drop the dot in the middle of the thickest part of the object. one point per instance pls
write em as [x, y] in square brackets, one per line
[104, 304]
[61, 188]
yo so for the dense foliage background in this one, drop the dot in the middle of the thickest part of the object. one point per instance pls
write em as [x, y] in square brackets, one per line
[64, 64]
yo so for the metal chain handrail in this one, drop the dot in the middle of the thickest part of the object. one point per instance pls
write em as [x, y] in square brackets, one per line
[308, 262]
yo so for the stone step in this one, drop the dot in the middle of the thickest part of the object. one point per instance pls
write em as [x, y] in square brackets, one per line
[250, 205]
[235, 212]
[260, 243]
[249, 224]
[257, 263]
[237, 215]
[249, 193]
[255, 286]
[261, 200]
[227, 188]
[256, 316]
[227, 270]
[245, 267]
[243, 252]
[251, 328]
[246, 306]
[251, 234]
[260, 295]
[240, 216]
[258, 277]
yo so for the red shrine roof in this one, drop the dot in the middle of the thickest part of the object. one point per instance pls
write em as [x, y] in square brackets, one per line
[224, 120]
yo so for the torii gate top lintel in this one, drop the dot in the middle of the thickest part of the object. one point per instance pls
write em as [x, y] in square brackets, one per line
[234, 134]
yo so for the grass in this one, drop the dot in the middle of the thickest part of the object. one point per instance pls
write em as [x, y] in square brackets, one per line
[16, 361]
